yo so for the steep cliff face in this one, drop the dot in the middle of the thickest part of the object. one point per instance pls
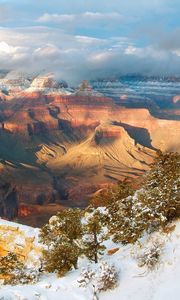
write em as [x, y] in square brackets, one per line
[84, 111]
[40, 114]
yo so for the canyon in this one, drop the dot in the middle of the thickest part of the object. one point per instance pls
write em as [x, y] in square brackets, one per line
[60, 145]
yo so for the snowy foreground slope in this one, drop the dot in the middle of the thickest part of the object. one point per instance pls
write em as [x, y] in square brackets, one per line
[135, 283]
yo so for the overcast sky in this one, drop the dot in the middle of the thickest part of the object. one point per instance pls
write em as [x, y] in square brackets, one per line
[90, 38]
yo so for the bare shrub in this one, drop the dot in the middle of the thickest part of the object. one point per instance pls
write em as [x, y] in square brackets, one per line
[104, 277]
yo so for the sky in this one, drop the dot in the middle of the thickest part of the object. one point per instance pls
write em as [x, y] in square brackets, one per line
[80, 39]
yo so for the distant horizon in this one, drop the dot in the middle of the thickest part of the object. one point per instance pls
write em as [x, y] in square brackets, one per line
[114, 77]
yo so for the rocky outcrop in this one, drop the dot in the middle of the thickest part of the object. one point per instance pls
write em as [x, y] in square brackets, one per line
[21, 240]
[15, 83]
[47, 81]
[86, 90]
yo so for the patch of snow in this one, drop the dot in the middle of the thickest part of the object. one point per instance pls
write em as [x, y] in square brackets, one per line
[135, 283]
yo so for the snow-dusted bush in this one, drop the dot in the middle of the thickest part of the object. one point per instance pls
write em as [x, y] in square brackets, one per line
[15, 272]
[107, 277]
[149, 257]
[24, 276]
[86, 276]
[104, 277]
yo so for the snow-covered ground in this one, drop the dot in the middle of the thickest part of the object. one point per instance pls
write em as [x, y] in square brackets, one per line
[135, 283]
[29, 231]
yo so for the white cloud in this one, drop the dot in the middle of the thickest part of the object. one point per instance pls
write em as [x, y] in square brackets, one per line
[101, 57]
[102, 16]
[130, 50]
[79, 19]
[56, 18]
[47, 50]
[6, 49]
[176, 52]
[10, 52]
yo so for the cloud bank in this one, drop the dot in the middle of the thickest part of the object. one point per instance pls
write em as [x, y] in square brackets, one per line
[87, 41]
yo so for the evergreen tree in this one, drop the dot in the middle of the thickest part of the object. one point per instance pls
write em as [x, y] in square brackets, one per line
[152, 206]
[94, 235]
[62, 237]
[108, 197]
[121, 218]
[163, 185]
[121, 191]
[124, 224]
[62, 256]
